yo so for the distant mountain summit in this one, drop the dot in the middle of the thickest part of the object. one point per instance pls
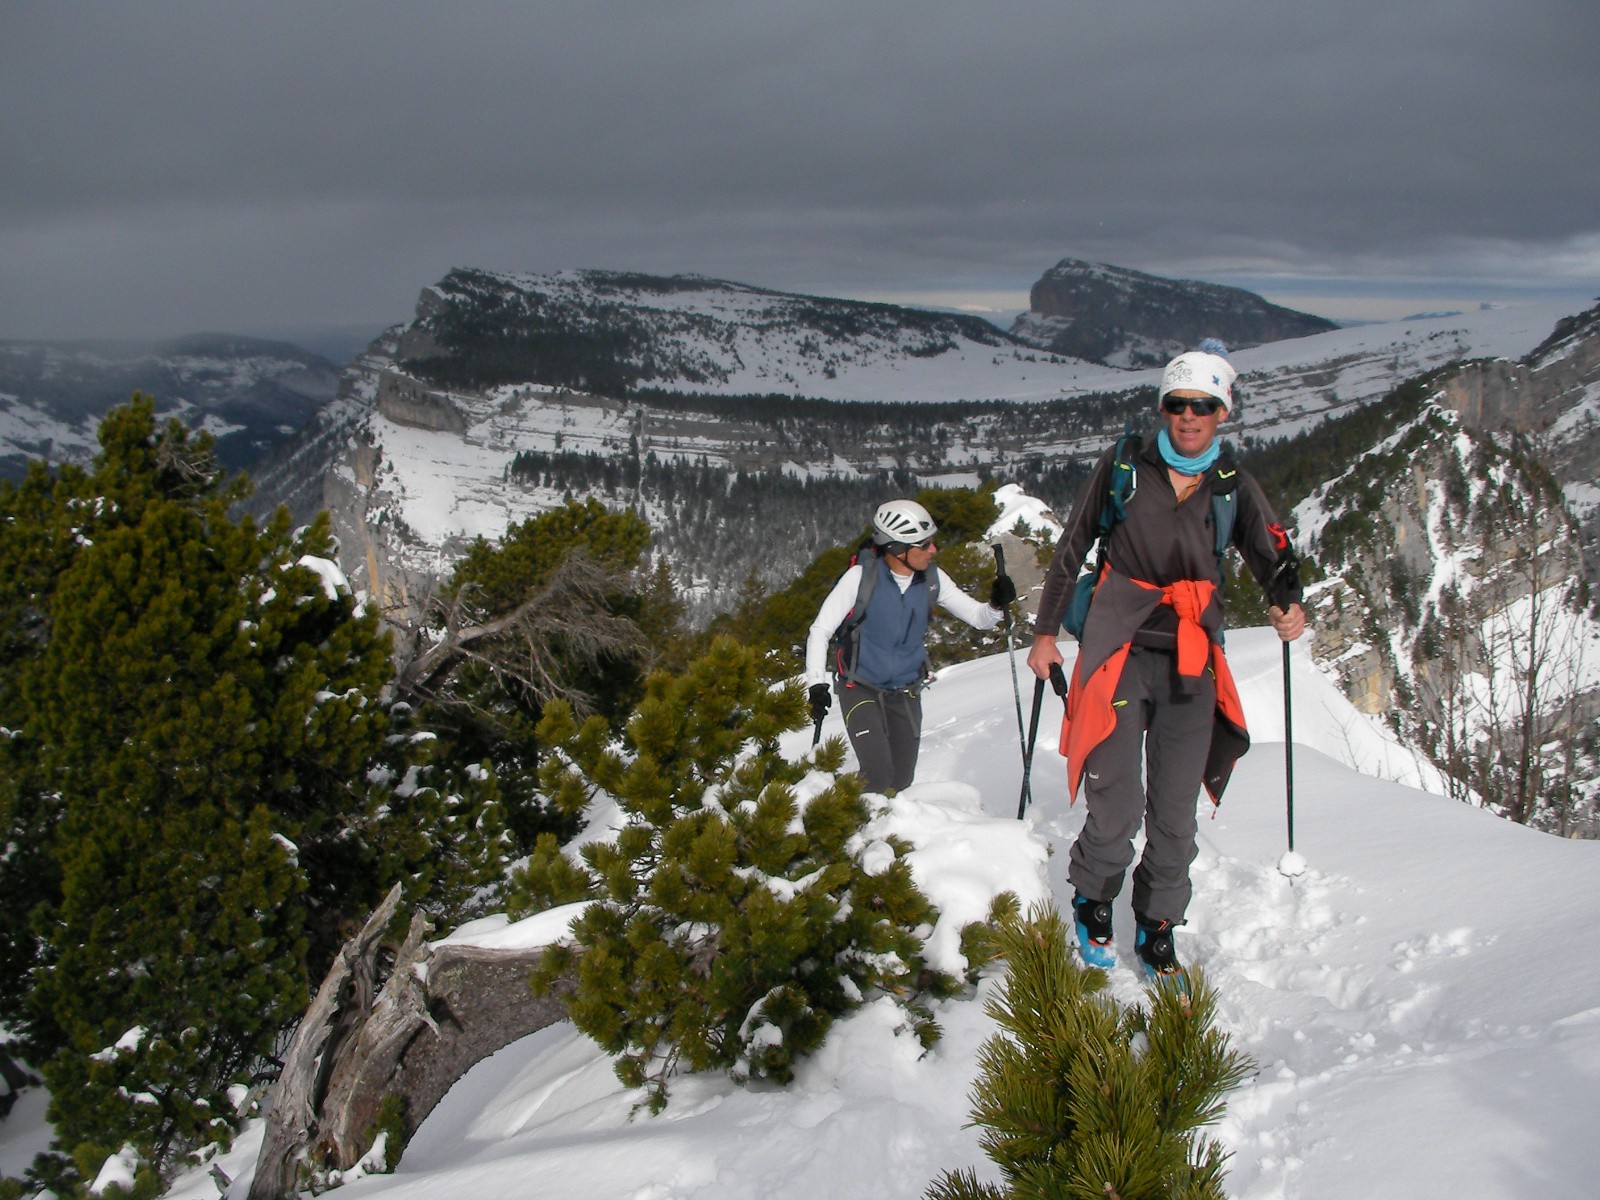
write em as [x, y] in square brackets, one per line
[1126, 318]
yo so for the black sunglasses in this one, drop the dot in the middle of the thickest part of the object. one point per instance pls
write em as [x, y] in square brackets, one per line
[1200, 408]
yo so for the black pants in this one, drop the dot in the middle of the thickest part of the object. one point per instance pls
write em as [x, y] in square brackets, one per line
[885, 731]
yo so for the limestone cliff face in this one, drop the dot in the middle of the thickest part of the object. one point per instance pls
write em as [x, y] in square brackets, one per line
[405, 401]
[1552, 397]
[1538, 393]
[372, 546]
[1129, 319]
[339, 465]
[1498, 466]
[1452, 602]
[1440, 517]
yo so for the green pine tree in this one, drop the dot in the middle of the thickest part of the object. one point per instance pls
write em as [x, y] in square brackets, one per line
[732, 919]
[208, 787]
[46, 521]
[962, 514]
[503, 573]
[433, 822]
[183, 960]
[1080, 1099]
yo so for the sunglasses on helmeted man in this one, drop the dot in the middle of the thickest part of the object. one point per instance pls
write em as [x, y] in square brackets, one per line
[1200, 408]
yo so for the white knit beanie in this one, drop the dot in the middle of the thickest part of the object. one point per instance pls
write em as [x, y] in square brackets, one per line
[1200, 371]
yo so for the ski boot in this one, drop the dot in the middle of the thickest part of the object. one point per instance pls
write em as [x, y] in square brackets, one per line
[1153, 945]
[1093, 921]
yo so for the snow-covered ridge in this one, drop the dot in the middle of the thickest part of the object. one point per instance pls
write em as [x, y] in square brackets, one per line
[1414, 1033]
[743, 340]
[697, 335]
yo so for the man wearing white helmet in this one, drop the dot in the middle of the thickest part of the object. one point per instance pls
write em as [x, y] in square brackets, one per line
[1152, 713]
[879, 609]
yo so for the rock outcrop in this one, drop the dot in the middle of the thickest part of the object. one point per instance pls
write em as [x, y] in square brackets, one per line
[1130, 319]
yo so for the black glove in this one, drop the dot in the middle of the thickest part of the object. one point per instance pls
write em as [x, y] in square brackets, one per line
[1002, 592]
[1283, 585]
[821, 701]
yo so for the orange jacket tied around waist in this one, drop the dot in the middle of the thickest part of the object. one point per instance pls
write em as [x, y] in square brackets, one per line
[1108, 639]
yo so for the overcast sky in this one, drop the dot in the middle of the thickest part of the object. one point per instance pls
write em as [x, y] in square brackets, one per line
[167, 168]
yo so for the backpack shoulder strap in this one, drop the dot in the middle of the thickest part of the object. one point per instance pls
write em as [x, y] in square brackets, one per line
[1224, 502]
[1123, 484]
[869, 580]
[867, 559]
[843, 646]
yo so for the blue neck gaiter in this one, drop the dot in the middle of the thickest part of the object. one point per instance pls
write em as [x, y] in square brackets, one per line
[1187, 466]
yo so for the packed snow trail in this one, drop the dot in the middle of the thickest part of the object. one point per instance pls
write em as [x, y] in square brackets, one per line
[1414, 991]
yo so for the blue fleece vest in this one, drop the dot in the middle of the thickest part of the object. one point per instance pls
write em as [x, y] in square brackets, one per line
[893, 634]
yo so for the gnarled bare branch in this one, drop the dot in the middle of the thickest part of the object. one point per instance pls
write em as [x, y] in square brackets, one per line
[565, 625]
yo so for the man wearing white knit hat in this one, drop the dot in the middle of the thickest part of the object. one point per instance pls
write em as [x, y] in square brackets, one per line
[1152, 713]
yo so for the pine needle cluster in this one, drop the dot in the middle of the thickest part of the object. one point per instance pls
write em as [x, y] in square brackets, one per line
[732, 922]
[1082, 1099]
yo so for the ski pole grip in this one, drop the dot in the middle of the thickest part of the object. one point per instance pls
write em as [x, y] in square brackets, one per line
[1058, 680]
[1283, 586]
[999, 558]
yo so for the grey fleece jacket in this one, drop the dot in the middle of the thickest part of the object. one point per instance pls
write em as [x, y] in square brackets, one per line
[1162, 541]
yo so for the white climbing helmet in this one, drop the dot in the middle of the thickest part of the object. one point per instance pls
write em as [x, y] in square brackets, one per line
[901, 521]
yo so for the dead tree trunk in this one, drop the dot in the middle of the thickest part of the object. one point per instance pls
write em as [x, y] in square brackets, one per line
[439, 1010]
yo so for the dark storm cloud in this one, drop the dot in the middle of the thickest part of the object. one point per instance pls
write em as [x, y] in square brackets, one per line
[167, 166]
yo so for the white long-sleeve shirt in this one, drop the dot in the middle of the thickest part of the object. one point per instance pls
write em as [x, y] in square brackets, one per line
[843, 597]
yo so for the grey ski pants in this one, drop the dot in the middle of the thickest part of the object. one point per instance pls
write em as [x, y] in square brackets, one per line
[1166, 732]
[885, 731]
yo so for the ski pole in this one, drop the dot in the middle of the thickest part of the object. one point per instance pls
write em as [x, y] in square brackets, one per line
[1291, 864]
[1027, 747]
[1058, 680]
[1288, 747]
[1011, 650]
